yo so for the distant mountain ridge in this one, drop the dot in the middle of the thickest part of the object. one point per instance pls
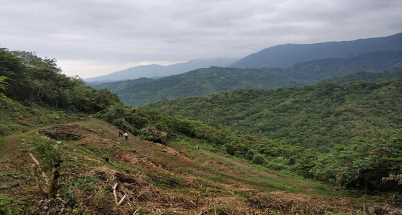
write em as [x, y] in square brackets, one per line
[205, 81]
[287, 55]
[157, 71]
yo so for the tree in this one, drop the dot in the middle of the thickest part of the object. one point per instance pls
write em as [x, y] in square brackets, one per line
[32, 79]
[3, 84]
[258, 159]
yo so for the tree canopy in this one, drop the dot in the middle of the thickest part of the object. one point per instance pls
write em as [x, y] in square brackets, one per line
[32, 79]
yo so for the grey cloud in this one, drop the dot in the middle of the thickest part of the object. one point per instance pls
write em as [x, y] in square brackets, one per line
[91, 37]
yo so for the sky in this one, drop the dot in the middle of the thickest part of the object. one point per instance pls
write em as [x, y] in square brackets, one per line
[96, 37]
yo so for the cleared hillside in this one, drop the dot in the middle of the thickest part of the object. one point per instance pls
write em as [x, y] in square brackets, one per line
[154, 178]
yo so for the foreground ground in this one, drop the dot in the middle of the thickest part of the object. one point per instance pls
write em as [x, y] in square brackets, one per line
[184, 177]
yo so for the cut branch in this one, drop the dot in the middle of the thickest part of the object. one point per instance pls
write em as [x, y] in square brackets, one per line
[44, 176]
[34, 159]
[114, 191]
[121, 200]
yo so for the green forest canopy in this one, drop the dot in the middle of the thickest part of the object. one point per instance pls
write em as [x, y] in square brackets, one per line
[31, 79]
[339, 131]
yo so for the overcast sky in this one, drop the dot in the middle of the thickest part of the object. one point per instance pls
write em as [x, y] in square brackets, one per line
[95, 37]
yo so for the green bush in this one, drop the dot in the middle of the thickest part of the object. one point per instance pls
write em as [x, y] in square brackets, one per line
[277, 166]
[230, 149]
[250, 154]
[6, 206]
[124, 125]
[3, 84]
[259, 159]
[154, 135]
[49, 153]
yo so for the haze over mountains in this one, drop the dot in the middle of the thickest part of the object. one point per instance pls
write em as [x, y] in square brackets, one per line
[156, 71]
[369, 55]
[306, 121]
[289, 54]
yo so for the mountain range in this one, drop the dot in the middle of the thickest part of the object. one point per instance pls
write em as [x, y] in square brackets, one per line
[157, 71]
[275, 67]
[289, 54]
[205, 81]
[279, 56]
[334, 147]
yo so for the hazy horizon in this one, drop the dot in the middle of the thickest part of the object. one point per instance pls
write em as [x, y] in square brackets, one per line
[91, 38]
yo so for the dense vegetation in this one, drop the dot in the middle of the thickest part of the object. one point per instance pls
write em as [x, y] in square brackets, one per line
[209, 80]
[348, 132]
[199, 82]
[56, 158]
[34, 80]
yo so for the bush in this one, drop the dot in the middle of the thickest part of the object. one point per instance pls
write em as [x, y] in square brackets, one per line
[124, 125]
[278, 163]
[49, 153]
[277, 166]
[154, 135]
[259, 159]
[6, 204]
[230, 149]
[250, 154]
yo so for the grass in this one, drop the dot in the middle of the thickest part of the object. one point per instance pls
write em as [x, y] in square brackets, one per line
[251, 174]
[7, 205]
[176, 180]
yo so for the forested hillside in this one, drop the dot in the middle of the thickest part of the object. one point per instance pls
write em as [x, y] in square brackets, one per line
[33, 80]
[330, 112]
[157, 71]
[287, 55]
[60, 153]
[34, 92]
[209, 80]
[335, 131]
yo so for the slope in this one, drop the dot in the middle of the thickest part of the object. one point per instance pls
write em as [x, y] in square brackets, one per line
[156, 71]
[343, 132]
[198, 82]
[56, 158]
[155, 179]
[290, 54]
[209, 80]
[313, 110]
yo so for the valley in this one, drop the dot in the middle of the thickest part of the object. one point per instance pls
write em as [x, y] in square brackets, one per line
[321, 136]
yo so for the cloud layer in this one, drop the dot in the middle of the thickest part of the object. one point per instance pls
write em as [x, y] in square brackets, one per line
[94, 37]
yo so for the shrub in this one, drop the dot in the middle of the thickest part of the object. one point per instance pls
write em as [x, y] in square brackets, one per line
[278, 163]
[250, 154]
[154, 135]
[230, 149]
[49, 153]
[259, 159]
[276, 166]
[124, 125]
[6, 204]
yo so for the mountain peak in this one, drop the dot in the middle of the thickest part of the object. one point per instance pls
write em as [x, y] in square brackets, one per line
[286, 55]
